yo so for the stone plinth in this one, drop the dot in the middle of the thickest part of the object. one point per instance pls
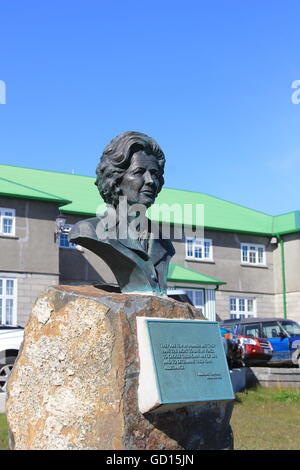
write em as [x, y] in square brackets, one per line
[75, 382]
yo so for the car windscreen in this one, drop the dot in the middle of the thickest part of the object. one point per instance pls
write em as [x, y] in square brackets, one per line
[292, 328]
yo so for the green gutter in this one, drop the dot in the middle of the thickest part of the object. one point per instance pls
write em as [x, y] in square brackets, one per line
[283, 275]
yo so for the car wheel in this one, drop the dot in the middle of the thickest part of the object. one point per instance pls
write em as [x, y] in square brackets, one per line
[5, 371]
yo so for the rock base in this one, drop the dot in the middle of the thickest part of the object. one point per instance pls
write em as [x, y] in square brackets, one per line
[75, 382]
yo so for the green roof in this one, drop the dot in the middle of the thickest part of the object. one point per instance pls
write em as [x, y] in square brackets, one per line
[78, 195]
[218, 213]
[286, 223]
[178, 273]
[78, 191]
[17, 189]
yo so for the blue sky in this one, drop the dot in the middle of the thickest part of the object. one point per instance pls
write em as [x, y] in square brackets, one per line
[209, 80]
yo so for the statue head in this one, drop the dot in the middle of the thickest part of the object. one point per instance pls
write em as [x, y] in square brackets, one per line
[131, 165]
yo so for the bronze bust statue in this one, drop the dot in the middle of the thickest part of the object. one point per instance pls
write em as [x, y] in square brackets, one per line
[129, 177]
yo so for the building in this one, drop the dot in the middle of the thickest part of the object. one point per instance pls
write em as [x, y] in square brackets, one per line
[244, 264]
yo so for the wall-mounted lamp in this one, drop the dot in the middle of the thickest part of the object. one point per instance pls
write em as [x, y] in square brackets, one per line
[63, 229]
[274, 241]
[60, 221]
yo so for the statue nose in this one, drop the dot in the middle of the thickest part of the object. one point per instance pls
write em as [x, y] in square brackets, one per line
[148, 177]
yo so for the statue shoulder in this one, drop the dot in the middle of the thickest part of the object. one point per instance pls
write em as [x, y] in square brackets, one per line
[84, 228]
[167, 245]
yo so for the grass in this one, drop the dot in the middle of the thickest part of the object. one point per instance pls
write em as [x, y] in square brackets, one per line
[267, 419]
[263, 419]
[3, 433]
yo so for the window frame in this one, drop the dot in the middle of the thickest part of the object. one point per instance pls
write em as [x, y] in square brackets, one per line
[198, 244]
[238, 313]
[4, 297]
[10, 217]
[250, 253]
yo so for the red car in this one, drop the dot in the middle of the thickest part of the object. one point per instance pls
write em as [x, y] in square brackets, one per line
[255, 351]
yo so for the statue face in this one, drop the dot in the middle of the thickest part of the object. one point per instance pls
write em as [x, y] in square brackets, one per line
[140, 184]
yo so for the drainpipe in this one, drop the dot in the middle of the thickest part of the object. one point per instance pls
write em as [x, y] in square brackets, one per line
[283, 275]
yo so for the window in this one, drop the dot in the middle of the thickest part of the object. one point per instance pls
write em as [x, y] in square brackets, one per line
[198, 249]
[271, 330]
[7, 221]
[197, 297]
[252, 330]
[253, 254]
[242, 307]
[8, 296]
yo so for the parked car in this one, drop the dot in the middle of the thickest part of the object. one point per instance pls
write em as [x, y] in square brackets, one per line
[10, 341]
[282, 334]
[232, 348]
[255, 351]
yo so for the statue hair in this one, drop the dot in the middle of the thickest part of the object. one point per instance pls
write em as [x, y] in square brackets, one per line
[116, 159]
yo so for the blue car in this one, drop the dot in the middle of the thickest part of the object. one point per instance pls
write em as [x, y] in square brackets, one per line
[284, 336]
